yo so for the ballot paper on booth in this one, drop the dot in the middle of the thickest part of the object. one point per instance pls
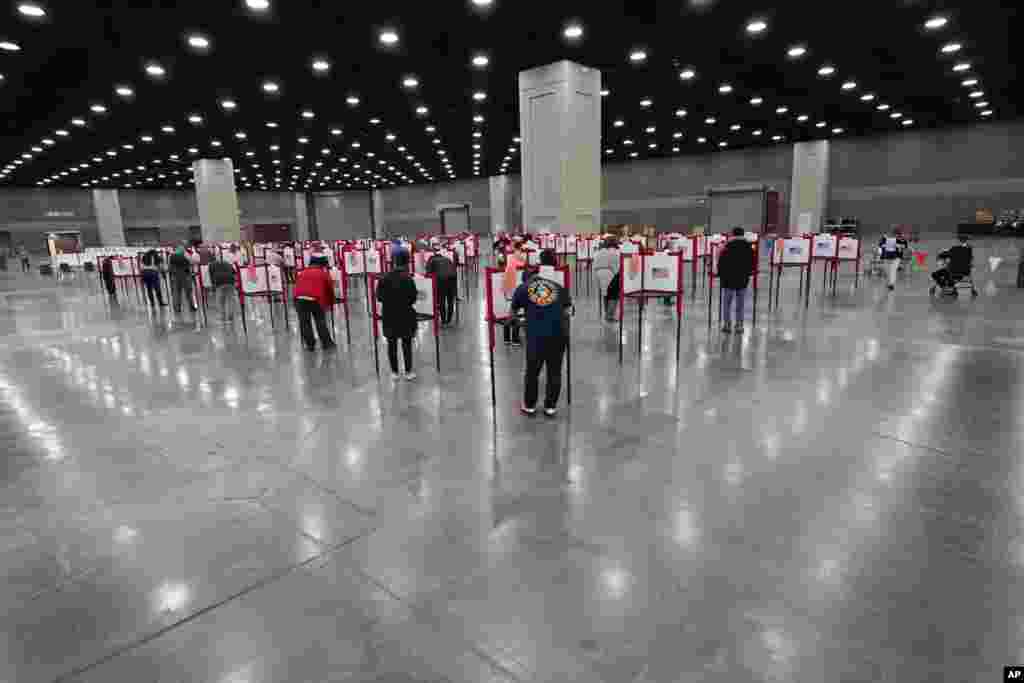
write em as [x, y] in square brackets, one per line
[373, 262]
[583, 249]
[794, 251]
[471, 248]
[275, 278]
[336, 280]
[533, 258]
[570, 244]
[122, 267]
[700, 243]
[632, 274]
[460, 252]
[420, 264]
[354, 264]
[825, 246]
[501, 301]
[424, 294]
[848, 249]
[686, 248]
[551, 273]
[254, 280]
[204, 275]
[661, 273]
[289, 255]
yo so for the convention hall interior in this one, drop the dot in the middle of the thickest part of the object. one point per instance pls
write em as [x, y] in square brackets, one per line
[710, 326]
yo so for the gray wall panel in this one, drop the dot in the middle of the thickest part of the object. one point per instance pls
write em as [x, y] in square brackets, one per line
[343, 216]
[29, 214]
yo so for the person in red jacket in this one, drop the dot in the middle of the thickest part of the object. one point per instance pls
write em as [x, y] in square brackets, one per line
[314, 295]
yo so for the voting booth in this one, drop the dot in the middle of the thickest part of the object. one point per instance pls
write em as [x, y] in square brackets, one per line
[716, 247]
[340, 283]
[262, 282]
[650, 275]
[790, 253]
[426, 308]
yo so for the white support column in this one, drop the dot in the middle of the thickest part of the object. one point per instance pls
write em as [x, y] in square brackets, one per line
[380, 230]
[107, 207]
[809, 196]
[219, 215]
[301, 217]
[499, 203]
[560, 126]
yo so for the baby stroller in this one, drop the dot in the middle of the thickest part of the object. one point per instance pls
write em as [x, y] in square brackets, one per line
[951, 281]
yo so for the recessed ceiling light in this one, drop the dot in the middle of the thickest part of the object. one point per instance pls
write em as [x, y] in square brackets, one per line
[820, 124]
[711, 120]
[154, 69]
[781, 110]
[271, 87]
[321, 65]
[37, 149]
[976, 94]
[723, 143]
[758, 133]
[796, 51]
[950, 48]
[78, 122]
[479, 96]
[907, 122]
[258, 5]
[987, 112]
[98, 109]
[981, 105]
[478, 118]
[633, 155]
[735, 127]
[677, 134]
[618, 123]
[646, 102]
[725, 88]
[882, 107]
[308, 114]
[605, 92]
[352, 100]
[757, 26]
[271, 124]
[650, 129]
[303, 140]
[962, 66]
[240, 135]
[826, 70]
[124, 91]
[867, 97]
[627, 142]
[681, 113]
[837, 131]
[195, 119]
[756, 101]
[849, 85]
[422, 111]
[895, 115]
[573, 32]
[215, 143]
[274, 148]
[802, 118]
[388, 37]
[198, 42]
[30, 9]
[637, 56]
[936, 23]
[970, 82]
[653, 145]
[228, 104]
[9, 46]
[167, 129]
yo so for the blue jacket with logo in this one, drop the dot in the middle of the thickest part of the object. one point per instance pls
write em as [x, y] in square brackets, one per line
[547, 308]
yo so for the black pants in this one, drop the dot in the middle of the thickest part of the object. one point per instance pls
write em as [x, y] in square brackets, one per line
[151, 279]
[406, 353]
[511, 333]
[26, 265]
[447, 290]
[944, 278]
[545, 351]
[308, 311]
[108, 281]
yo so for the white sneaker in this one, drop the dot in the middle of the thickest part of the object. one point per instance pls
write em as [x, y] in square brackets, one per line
[395, 377]
[550, 412]
[410, 376]
[527, 411]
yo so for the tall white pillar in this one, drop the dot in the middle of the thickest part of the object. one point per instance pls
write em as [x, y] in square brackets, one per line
[380, 229]
[499, 203]
[809, 196]
[107, 207]
[560, 127]
[219, 215]
[301, 217]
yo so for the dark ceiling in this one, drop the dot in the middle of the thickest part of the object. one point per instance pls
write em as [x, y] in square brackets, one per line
[75, 56]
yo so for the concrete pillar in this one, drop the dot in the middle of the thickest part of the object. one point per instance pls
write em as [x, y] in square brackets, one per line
[219, 215]
[809, 196]
[499, 203]
[380, 230]
[107, 207]
[301, 217]
[560, 126]
[311, 217]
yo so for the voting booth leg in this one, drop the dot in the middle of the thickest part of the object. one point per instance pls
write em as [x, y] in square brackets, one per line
[348, 330]
[202, 302]
[679, 332]
[568, 367]
[807, 289]
[753, 311]
[270, 304]
[640, 329]
[620, 334]
[494, 393]
[710, 317]
[245, 324]
[437, 351]
[376, 358]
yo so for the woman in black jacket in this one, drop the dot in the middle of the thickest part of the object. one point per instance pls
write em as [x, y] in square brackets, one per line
[397, 294]
[735, 266]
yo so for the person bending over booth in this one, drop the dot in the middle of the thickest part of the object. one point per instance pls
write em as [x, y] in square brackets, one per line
[959, 261]
[447, 284]
[314, 296]
[548, 305]
[180, 270]
[397, 294]
[735, 266]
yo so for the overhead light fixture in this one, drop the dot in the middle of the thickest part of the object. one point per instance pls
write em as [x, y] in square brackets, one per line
[618, 123]
[802, 118]
[479, 96]
[240, 135]
[98, 109]
[198, 42]
[271, 87]
[155, 70]
[987, 112]
[950, 48]
[605, 92]
[388, 37]
[711, 120]
[820, 124]
[637, 56]
[725, 89]
[228, 104]
[723, 144]
[837, 131]
[308, 114]
[850, 85]
[258, 5]
[478, 118]
[826, 70]
[735, 127]
[867, 97]
[646, 102]
[677, 135]
[976, 94]
[650, 129]
[681, 113]
[321, 65]
[271, 124]
[981, 105]
[896, 115]
[935, 23]
[758, 133]
[303, 140]
[781, 110]
[352, 100]
[167, 129]
[573, 32]
[124, 91]
[961, 66]
[757, 26]
[30, 9]
[195, 119]
[9, 46]
[907, 122]
[796, 51]
[687, 74]
[882, 107]
[410, 82]
[78, 122]
[422, 110]
[970, 82]
[756, 101]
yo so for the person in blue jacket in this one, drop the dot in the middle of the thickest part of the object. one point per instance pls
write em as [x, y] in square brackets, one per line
[548, 305]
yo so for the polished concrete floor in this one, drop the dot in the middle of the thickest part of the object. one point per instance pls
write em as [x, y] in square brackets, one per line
[836, 496]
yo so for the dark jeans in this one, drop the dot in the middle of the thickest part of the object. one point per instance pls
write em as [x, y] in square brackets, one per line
[406, 353]
[447, 290]
[511, 333]
[151, 279]
[307, 312]
[26, 265]
[540, 352]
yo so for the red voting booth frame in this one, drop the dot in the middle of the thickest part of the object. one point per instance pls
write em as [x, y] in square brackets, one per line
[375, 318]
[830, 275]
[775, 270]
[503, 321]
[642, 295]
[343, 300]
[712, 270]
[341, 250]
[269, 295]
